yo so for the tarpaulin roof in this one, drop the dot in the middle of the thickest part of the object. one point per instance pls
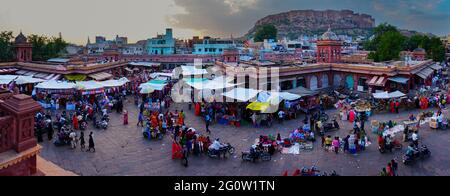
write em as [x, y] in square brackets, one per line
[155, 84]
[145, 64]
[241, 94]
[88, 85]
[192, 70]
[53, 84]
[425, 73]
[114, 83]
[216, 83]
[27, 80]
[401, 80]
[302, 91]
[386, 95]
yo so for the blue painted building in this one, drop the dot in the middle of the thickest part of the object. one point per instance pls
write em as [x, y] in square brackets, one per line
[211, 46]
[161, 44]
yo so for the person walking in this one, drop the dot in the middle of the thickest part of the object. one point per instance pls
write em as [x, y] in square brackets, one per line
[394, 166]
[140, 119]
[82, 142]
[185, 156]
[73, 138]
[125, 117]
[207, 121]
[336, 145]
[91, 143]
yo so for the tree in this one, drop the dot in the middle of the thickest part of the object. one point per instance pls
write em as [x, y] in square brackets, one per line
[45, 48]
[6, 48]
[387, 43]
[436, 50]
[266, 32]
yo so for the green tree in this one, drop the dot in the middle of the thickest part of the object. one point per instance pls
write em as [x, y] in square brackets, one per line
[6, 48]
[387, 43]
[45, 48]
[436, 50]
[266, 32]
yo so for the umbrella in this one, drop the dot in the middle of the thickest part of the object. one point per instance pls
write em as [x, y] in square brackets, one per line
[147, 90]
[258, 106]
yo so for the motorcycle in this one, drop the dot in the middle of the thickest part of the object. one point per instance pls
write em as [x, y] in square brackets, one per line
[150, 134]
[419, 153]
[253, 157]
[327, 127]
[226, 148]
[103, 124]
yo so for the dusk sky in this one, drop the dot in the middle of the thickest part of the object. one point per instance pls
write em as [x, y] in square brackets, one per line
[141, 19]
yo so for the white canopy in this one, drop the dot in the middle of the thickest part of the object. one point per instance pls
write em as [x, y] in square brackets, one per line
[114, 83]
[6, 79]
[386, 95]
[145, 64]
[192, 70]
[276, 97]
[155, 86]
[241, 94]
[27, 80]
[55, 85]
[161, 75]
[214, 84]
[88, 85]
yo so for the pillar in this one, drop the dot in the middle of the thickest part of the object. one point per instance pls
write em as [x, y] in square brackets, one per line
[23, 109]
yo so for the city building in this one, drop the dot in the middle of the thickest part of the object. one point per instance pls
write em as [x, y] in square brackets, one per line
[23, 49]
[161, 44]
[211, 46]
[331, 70]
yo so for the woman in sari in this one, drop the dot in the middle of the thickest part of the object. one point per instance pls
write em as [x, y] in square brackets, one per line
[125, 117]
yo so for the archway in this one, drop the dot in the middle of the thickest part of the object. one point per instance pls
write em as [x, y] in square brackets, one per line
[313, 83]
[350, 83]
[325, 81]
[337, 79]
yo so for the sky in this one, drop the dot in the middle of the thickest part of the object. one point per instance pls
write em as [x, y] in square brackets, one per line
[142, 19]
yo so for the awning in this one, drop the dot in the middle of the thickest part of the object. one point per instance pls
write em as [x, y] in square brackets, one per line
[377, 81]
[242, 94]
[386, 95]
[21, 72]
[101, 76]
[155, 84]
[400, 80]
[7, 70]
[425, 73]
[302, 91]
[436, 67]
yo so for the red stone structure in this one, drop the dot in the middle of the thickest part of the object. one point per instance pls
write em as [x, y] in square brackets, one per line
[23, 49]
[230, 55]
[18, 146]
[329, 48]
[419, 54]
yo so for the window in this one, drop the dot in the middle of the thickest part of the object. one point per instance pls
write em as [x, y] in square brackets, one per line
[362, 83]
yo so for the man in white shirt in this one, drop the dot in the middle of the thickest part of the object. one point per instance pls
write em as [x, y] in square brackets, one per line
[281, 116]
[415, 139]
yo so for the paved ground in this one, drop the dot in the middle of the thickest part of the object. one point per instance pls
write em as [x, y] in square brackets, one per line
[121, 150]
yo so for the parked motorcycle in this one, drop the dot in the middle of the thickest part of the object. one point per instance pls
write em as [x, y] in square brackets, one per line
[257, 155]
[332, 126]
[226, 148]
[419, 153]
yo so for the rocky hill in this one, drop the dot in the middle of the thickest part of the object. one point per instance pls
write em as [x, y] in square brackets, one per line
[310, 22]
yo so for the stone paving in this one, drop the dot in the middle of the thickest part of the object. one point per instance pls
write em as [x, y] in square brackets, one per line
[122, 151]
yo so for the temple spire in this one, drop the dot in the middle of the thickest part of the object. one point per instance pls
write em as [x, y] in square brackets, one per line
[88, 41]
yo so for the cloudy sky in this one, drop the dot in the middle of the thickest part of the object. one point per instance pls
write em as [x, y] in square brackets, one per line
[140, 19]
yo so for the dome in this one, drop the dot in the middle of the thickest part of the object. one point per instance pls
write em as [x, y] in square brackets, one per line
[329, 35]
[20, 39]
[419, 50]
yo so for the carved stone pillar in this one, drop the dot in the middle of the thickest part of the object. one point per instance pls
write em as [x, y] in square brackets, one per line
[23, 109]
